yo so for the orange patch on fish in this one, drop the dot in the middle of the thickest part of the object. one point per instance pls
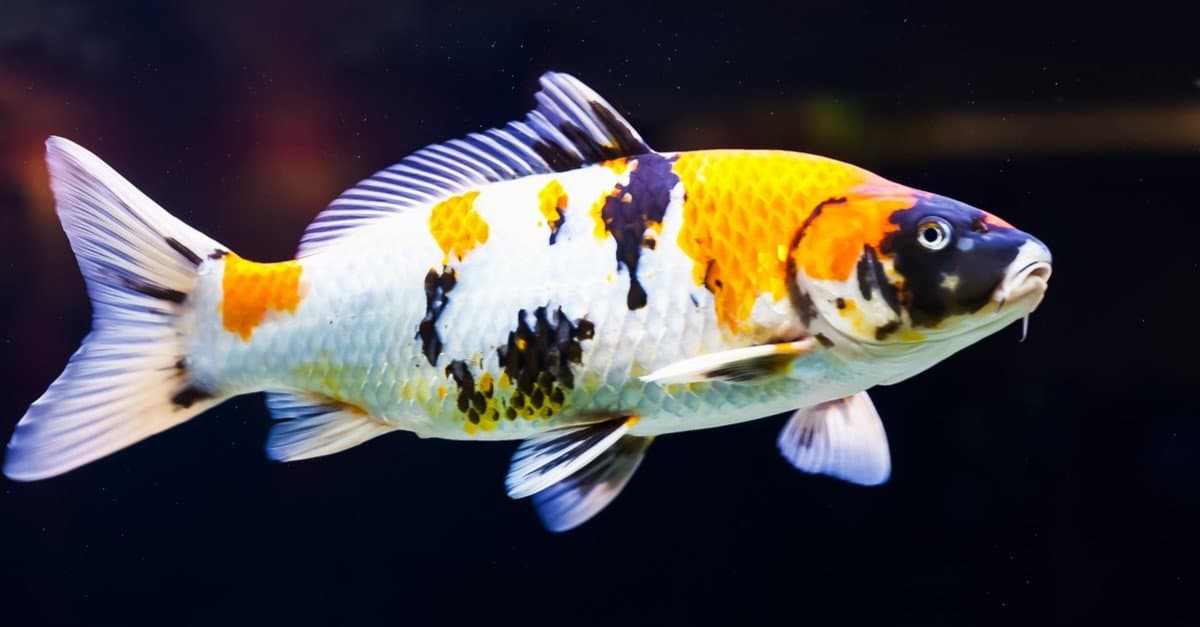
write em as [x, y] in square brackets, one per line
[456, 226]
[618, 165]
[250, 290]
[741, 210]
[552, 201]
[834, 241]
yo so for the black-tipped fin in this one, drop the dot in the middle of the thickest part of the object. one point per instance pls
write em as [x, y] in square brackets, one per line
[546, 459]
[576, 499]
[741, 365]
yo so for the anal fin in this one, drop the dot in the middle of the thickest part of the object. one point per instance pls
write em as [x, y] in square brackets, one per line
[843, 438]
[752, 363]
[312, 425]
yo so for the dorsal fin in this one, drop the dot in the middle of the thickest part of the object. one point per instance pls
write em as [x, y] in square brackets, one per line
[572, 126]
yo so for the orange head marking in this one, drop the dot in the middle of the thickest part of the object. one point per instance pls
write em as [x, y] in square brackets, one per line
[741, 212]
[250, 290]
[456, 226]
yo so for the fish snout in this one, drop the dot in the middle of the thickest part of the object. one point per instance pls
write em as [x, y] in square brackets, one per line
[1028, 275]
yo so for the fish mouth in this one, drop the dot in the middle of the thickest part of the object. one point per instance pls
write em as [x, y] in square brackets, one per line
[1028, 279]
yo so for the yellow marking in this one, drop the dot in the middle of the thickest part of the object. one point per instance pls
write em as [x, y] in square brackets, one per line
[485, 383]
[250, 290]
[456, 226]
[618, 165]
[441, 392]
[742, 210]
[597, 213]
[552, 201]
[521, 343]
[909, 335]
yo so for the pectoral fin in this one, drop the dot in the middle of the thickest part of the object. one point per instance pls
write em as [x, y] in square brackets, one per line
[546, 459]
[752, 363]
[843, 439]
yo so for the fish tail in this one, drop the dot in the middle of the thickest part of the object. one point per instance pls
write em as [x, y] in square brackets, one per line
[129, 379]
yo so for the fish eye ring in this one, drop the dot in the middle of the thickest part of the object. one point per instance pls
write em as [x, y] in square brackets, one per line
[934, 233]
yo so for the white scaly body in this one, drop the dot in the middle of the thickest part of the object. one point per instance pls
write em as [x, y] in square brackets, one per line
[354, 335]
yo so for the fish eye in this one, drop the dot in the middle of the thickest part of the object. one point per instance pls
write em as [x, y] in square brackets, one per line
[934, 233]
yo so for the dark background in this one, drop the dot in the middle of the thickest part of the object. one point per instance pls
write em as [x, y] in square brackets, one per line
[1050, 482]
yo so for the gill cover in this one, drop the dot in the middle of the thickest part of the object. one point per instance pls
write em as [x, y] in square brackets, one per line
[924, 264]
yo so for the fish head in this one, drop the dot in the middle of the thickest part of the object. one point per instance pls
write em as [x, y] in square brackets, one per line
[928, 273]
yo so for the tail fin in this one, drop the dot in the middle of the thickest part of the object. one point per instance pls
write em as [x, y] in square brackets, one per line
[128, 380]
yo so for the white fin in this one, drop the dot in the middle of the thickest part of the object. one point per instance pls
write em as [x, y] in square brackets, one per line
[312, 425]
[576, 499]
[752, 363]
[546, 459]
[842, 439]
[128, 380]
[571, 127]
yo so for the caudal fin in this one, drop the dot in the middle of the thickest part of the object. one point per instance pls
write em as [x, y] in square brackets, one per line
[128, 380]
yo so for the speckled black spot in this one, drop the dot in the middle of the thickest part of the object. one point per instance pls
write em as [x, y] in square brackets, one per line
[537, 357]
[437, 287]
[630, 209]
[840, 302]
[824, 341]
[469, 400]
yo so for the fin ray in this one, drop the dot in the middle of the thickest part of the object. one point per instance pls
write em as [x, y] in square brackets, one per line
[127, 378]
[546, 459]
[572, 126]
[842, 438]
[751, 363]
[577, 498]
[311, 425]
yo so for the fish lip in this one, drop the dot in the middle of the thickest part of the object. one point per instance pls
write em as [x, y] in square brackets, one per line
[1031, 278]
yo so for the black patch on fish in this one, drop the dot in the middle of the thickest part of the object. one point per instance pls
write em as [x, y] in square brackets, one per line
[979, 270]
[155, 291]
[537, 358]
[872, 277]
[186, 252]
[627, 143]
[437, 287]
[218, 254]
[470, 401]
[840, 302]
[823, 341]
[630, 209]
[556, 156]
[189, 396]
[802, 303]
[882, 332]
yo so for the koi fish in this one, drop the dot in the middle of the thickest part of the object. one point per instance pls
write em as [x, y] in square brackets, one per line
[554, 281]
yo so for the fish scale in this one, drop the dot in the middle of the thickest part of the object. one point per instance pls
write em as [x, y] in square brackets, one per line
[554, 281]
